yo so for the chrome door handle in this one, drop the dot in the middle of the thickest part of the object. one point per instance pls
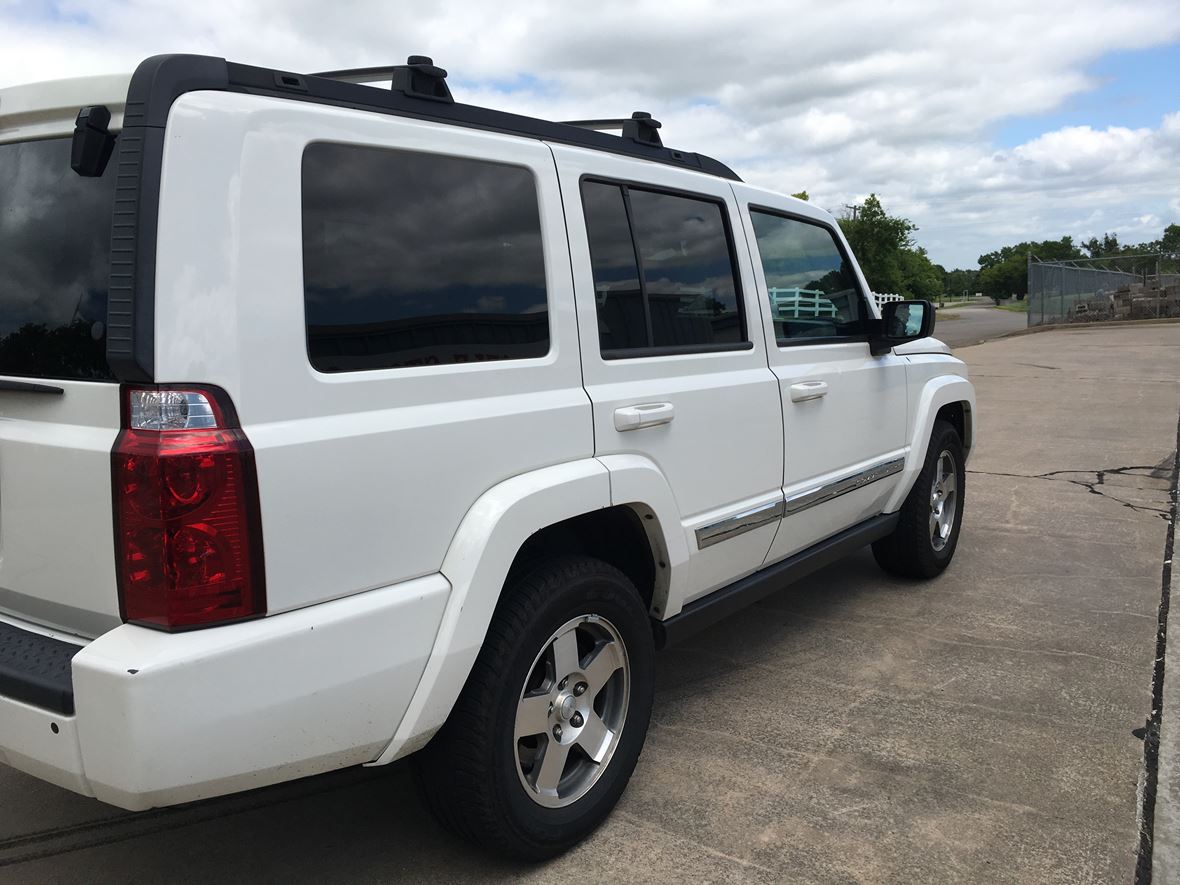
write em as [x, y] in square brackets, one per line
[805, 390]
[643, 415]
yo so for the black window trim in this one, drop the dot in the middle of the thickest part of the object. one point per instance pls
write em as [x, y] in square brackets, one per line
[483, 364]
[784, 343]
[627, 353]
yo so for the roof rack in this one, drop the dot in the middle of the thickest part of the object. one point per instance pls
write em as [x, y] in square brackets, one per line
[640, 127]
[419, 77]
[419, 90]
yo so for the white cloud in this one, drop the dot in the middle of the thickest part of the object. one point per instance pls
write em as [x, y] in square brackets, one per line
[840, 99]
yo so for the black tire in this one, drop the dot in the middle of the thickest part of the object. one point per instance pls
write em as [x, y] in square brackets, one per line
[911, 551]
[470, 773]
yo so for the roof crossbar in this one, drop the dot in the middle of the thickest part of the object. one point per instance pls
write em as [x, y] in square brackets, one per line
[419, 77]
[640, 127]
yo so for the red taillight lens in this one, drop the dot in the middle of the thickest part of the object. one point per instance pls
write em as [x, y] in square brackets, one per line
[188, 540]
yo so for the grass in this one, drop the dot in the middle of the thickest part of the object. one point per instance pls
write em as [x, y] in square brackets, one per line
[1015, 306]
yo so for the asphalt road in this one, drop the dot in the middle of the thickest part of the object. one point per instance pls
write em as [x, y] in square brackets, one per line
[962, 326]
[853, 728]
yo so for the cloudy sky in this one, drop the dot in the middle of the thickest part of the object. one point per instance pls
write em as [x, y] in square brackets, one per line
[1017, 120]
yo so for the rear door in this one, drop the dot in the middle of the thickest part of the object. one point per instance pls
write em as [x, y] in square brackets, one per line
[59, 405]
[844, 409]
[673, 355]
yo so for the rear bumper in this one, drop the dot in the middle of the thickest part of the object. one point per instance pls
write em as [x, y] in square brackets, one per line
[166, 718]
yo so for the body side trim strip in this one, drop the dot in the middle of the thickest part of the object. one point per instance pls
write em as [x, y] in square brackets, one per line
[828, 491]
[731, 526]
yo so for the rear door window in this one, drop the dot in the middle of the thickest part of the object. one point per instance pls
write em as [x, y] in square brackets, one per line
[55, 247]
[664, 278]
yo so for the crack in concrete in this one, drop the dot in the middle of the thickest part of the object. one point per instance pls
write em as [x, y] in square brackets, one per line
[1098, 486]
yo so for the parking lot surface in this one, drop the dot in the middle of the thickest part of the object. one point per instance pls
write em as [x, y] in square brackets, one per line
[962, 326]
[850, 728]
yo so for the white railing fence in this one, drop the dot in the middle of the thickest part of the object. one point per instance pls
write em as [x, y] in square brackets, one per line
[795, 303]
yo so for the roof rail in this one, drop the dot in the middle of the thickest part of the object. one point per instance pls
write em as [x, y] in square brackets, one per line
[359, 75]
[417, 78]
[640, 127]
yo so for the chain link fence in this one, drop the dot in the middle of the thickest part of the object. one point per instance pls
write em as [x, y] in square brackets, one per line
[1089, 290]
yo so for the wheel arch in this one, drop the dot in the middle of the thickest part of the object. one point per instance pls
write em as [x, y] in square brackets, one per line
[950, 397]
[561, 509]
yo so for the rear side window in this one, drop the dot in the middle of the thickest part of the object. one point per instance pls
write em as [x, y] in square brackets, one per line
[811, 285]
[413, 259]
[55, 248]
[664, 279]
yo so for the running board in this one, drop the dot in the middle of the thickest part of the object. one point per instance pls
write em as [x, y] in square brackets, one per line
[722, 603]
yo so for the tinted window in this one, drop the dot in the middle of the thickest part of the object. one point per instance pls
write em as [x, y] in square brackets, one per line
[812, 288]
[414, 259]
[622, 320]
[55, 246]
[687, 271]
[685, 295]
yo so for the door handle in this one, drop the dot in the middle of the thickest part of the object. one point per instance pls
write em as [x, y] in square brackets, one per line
[643, 415]
[806, 390]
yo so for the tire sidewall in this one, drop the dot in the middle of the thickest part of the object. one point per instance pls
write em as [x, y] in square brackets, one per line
[945, 439]
[609, 595]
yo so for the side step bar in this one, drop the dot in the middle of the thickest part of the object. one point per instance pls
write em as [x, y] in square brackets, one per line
[721, 603]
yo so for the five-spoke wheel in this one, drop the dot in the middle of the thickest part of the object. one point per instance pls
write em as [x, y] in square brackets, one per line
[572, 710]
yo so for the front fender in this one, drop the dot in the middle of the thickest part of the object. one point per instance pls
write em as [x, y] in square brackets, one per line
[476, 564]
[936, 393]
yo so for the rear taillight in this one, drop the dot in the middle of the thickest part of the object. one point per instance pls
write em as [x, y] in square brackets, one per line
[188, 540]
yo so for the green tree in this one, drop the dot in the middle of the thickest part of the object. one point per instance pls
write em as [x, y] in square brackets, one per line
[923, 278]
[1005, 272]
[802, 195]
[1170, 242]
[878, 241]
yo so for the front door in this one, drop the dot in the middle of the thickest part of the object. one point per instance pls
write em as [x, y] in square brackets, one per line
[844, 410]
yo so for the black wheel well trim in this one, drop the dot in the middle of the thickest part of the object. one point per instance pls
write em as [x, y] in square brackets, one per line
[627, 536]
[958, 415]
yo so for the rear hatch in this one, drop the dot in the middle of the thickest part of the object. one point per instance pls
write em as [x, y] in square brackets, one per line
[59, 404]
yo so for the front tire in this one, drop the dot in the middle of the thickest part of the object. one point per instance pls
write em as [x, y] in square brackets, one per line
[927, 532]
[544, 737]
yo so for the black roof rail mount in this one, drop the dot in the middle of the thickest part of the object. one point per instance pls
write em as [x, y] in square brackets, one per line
[643, 129]
[419, 77]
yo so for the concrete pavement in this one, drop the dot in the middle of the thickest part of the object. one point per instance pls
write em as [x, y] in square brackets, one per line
[962, 326]
[853, 728]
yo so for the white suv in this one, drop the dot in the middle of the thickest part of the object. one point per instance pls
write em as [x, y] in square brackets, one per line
[341, 422]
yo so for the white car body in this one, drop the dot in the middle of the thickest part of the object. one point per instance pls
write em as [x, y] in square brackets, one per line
[394, 501]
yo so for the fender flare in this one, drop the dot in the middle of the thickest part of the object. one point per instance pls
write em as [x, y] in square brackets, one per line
[475, 565]
[637, 481]
[936, 393]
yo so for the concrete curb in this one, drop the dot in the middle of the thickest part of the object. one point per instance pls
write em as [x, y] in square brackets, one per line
[1165, 850]
[1165, 847]
[1068, 327]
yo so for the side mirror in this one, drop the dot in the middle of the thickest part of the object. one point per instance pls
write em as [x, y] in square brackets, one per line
[902, 321]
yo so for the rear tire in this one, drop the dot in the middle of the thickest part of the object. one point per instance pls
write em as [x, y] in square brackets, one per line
[544, 737]
[927, 532]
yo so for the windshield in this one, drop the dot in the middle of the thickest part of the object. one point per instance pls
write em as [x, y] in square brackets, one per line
[55, 240]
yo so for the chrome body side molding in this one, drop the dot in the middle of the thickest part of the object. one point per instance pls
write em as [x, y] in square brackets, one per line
[756, 517]
[842, 486]
[715, 533]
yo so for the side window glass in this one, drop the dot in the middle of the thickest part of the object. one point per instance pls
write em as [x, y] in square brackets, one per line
[413, 259]
[687, 270]
[622, 319]
[812, 289]
[663, 272]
